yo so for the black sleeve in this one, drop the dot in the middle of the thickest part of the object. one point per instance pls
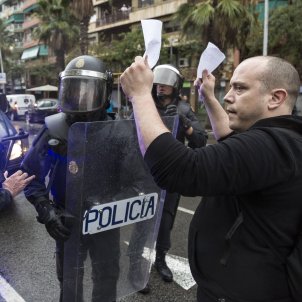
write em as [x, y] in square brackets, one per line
[199, 136]
[242, 163]
[38, 162]
[5, 197]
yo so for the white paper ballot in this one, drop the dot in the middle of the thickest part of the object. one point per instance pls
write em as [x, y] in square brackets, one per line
[152, 35]
[210, 59]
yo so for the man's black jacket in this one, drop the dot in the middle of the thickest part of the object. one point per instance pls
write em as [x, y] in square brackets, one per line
[258, 172]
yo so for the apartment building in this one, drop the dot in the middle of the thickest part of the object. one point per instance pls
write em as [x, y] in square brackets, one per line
[12, 15]
[19, 17]
[116, 16]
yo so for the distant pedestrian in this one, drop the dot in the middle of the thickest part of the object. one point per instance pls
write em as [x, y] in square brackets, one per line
[124, 9]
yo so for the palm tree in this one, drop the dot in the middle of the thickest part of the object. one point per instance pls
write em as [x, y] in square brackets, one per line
[226, 23]
[83, 10]
[58, 30]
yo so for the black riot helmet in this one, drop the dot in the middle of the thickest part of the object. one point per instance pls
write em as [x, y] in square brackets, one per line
[85, 86]
[167, 74]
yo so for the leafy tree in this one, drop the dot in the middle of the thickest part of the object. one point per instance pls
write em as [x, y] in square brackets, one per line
[58, 29]
[83, 10]
[14, 68]
[285, 33]
[5, 41]
[45, 72]
[121, 52]
[226, 23]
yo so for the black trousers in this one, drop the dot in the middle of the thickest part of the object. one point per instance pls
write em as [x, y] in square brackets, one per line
[167, 221]
[104, 253]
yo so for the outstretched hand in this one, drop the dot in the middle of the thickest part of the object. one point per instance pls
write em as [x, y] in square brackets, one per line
[16, 182]
[205, 86]
[137, 80]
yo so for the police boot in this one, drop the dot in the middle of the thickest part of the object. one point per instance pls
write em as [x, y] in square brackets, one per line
[161, 266]
[135, 276]
[146, 290]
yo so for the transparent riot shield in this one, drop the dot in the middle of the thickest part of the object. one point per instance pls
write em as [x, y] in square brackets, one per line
[116, 209]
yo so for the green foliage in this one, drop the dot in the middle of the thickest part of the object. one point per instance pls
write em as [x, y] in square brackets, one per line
[14, 66]
[44, 71]
[285, 33]
[121, 52]
[190, 49]
[58, 28]
[5, 43]
[82, 10]
[226, 23]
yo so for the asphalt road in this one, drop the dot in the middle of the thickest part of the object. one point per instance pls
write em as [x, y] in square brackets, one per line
[27, 260]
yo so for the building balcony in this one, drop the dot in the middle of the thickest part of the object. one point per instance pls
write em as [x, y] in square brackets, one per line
[97, 2]
[14, 28]
[28, 3]
[30, 43]
[30, 22]
[112, 18]
[136, 15]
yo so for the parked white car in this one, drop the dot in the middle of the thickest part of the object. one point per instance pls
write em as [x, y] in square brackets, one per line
[19, 104]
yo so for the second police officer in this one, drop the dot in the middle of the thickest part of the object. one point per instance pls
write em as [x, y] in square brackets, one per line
[167, 86]
[84, 95]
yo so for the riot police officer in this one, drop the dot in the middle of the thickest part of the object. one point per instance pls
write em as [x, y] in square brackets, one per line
[167, 84]
[84, 95]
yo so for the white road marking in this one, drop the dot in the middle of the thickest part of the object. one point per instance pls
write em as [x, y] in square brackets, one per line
[181, 271]
[8, 293]
[185, 210]
[178, 265]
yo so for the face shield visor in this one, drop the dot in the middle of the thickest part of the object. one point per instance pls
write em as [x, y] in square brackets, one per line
[166, 76]
[82, 91]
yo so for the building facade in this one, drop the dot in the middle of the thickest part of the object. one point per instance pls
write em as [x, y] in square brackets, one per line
[27, 52]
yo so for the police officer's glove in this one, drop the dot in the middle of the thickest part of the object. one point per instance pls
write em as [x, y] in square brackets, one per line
[184, 122]
[171, 110]
[52, 217]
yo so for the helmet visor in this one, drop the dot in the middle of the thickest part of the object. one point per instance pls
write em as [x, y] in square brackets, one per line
[165, 76]
[82, 94]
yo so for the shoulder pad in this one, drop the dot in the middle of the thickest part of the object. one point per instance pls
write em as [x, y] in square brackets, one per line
[57, 126]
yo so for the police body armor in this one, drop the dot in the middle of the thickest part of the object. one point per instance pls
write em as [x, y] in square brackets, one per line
[117, 209]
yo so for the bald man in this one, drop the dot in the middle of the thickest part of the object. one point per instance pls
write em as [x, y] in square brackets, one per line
[249, 219]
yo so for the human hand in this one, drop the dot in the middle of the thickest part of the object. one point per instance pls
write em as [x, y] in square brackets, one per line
[171, 110]
[53, 220]
[16, 182]
[208, 85]
[205, 86]
[137, 80]
[184, 122]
